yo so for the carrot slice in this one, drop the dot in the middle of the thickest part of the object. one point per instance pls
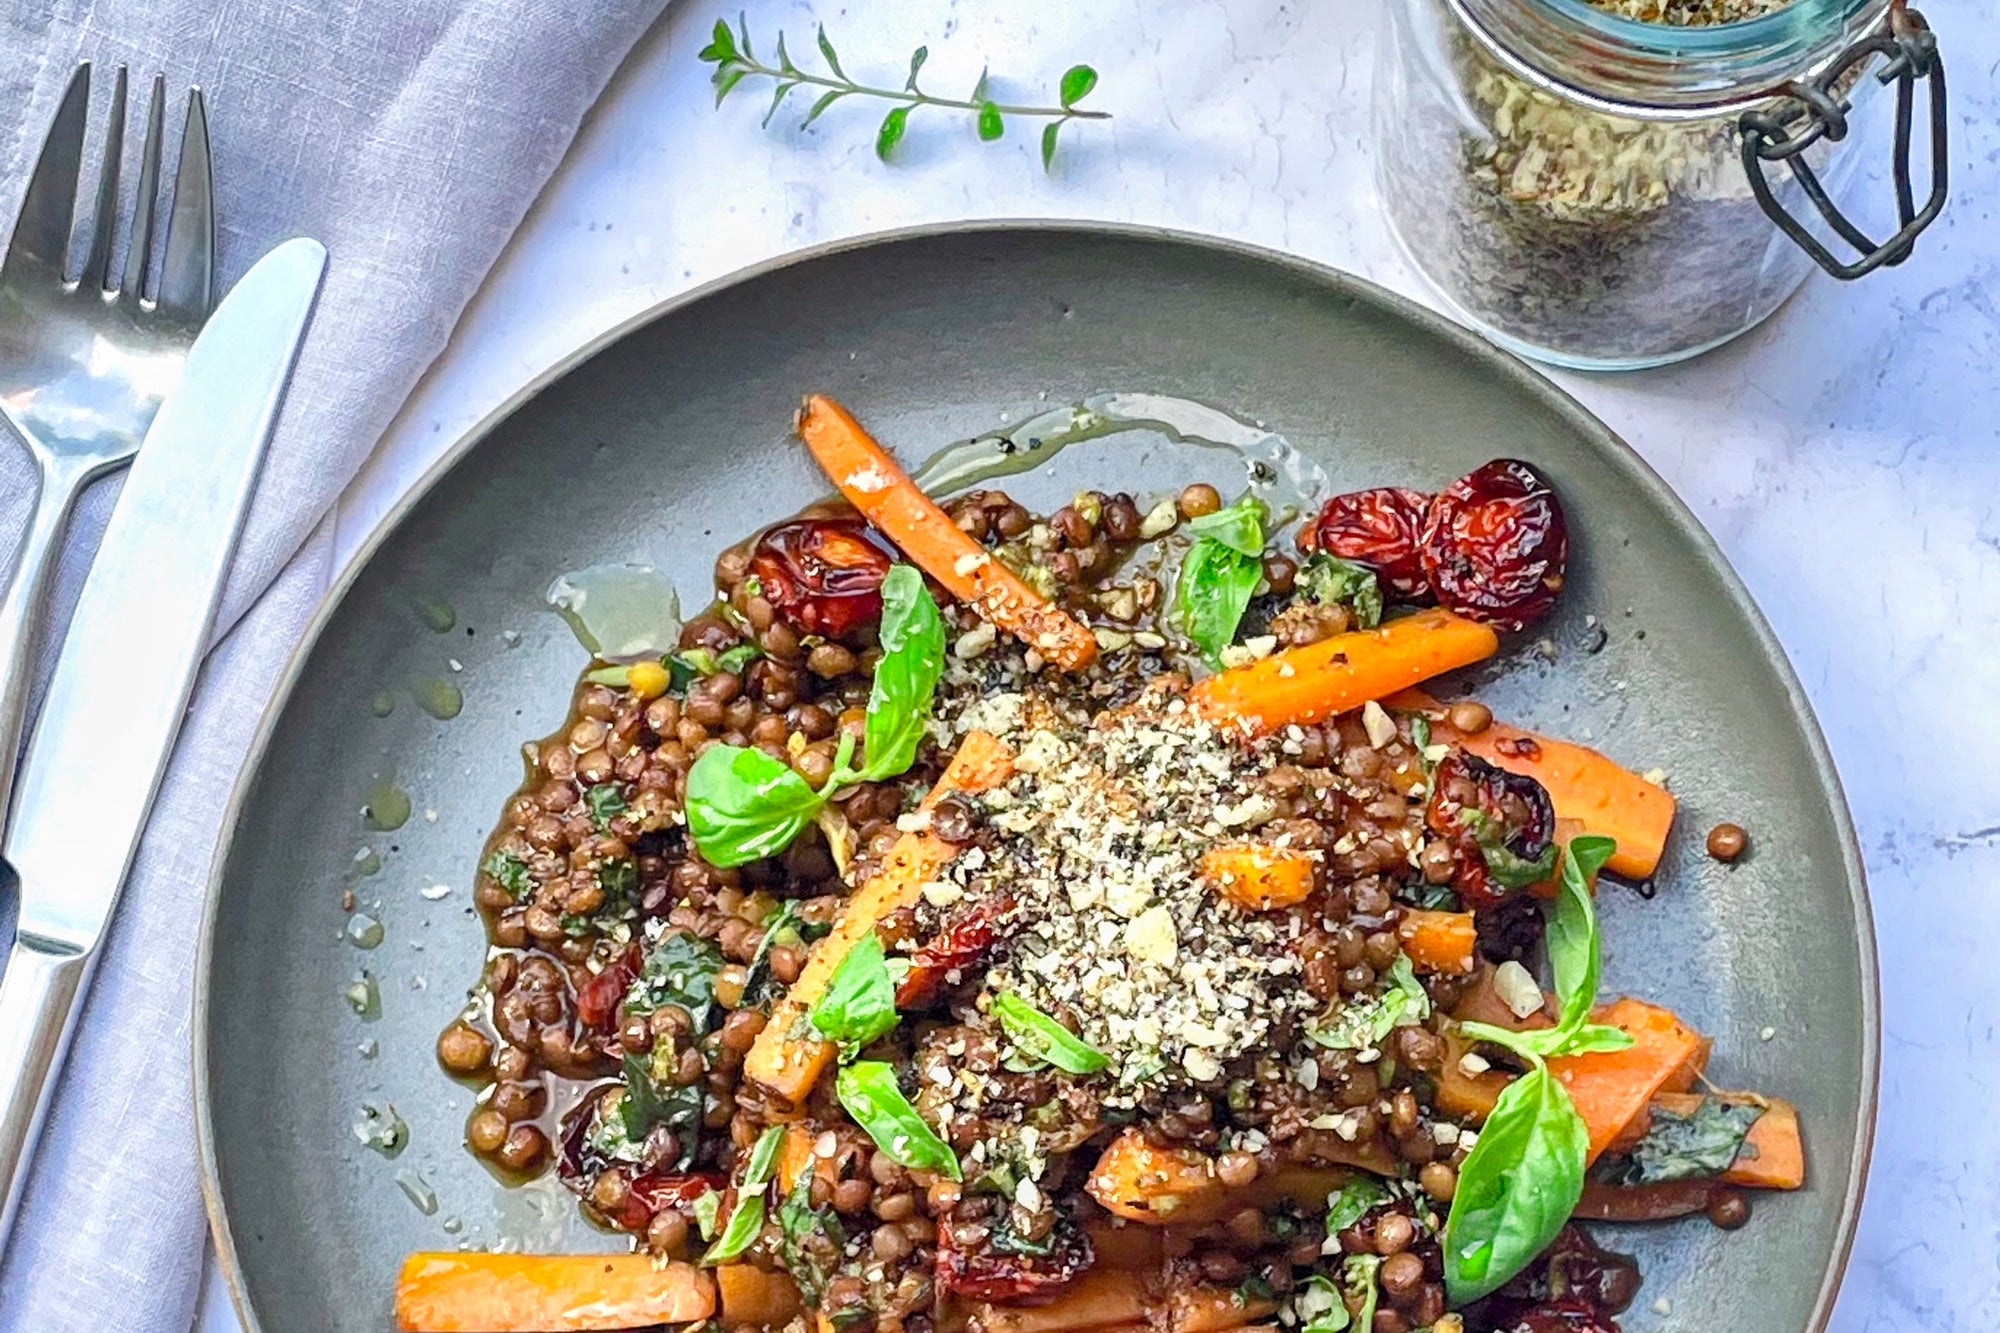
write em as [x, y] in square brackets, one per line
[547, 1293]
[1438, 941]
[788, 1056]
[1583, 785]
[877, 486]
[1160, 1186]
[1100, 1298]
[1610, 1088]
[1312, 683]
[747, 1294]
[1773, 1157]
[1257, 877]
[1213, 1309]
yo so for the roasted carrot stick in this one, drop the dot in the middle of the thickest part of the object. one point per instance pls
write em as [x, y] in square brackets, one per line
[1773, 1157]
[1100, 1298]
[747, 1294]
[1315, 682]
[877, 486]
[788, 1057]
[1610, 1088]
[1438, 941]
[547, 1293]
[1164, 1186]
[1258, 877]
[1213, 1309]
[1583, 785]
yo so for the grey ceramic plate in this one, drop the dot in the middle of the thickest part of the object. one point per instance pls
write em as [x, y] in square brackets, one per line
[667, 440]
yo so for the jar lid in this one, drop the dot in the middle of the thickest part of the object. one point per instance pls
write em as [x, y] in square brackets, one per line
[1661, 71]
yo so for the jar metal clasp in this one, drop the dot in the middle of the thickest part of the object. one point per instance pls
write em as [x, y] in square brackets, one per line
[1812, 110]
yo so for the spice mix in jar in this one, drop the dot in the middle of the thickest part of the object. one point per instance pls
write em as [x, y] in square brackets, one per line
[1612, 184]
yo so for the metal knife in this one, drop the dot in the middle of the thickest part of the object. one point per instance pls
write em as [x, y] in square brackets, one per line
[127, 667]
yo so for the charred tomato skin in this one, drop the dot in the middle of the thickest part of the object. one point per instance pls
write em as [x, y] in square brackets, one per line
[823, 575]
[1380, 528]
[959, 944]
[1495, 545]
[597, 1000]
[1475, 804]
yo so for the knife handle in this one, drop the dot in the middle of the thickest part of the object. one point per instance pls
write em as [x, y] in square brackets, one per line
[38, 994]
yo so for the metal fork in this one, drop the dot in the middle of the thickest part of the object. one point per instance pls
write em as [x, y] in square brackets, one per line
[84, 361]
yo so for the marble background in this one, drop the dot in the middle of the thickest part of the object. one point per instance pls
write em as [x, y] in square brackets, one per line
[1846, 454]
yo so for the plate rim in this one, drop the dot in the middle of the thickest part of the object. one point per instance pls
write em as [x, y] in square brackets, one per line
[1510, 368]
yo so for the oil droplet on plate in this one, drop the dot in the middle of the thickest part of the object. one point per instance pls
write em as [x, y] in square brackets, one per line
[382, 704]
[367, 861]
[387, 807]
[440, 698]
[621, 613]
[437, 616]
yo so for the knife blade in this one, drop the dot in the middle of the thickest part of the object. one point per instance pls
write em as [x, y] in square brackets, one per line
[127, 667]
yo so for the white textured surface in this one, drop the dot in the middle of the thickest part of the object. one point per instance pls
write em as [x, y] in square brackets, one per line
[1845, 455]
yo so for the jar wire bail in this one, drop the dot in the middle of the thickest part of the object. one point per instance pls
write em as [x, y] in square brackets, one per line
[1813, 110]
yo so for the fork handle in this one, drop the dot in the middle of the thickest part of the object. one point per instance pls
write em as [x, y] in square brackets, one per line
[23, 609]
[38, 994]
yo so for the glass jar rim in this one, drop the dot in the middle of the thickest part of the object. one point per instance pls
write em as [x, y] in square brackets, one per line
[1661, 71]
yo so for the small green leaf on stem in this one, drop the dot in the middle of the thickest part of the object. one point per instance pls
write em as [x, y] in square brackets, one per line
[722, 44]
[1049, 132]
[991, 126]
[778, 100]
[819, 108]
[826, 49]
[784, 57]
[891, 132]
[917, 59]
[726, 78]
[743, 35]
[1077, 82]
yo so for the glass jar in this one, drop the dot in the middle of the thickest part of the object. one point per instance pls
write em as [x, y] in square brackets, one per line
[1608, 194]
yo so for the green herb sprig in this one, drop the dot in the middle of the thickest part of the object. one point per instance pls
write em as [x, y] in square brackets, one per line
[743, 804]
[1524, 1177]
[734, 59]
[1043, 1039]
[1219, 575]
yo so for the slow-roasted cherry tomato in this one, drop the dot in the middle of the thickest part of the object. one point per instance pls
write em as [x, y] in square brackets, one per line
[1381, 529]
[823, 575]
[653, 1191]
[960, 944]
[969, 1264]
[1563, 1317]
[1500, 824]
[597, 999]
[1495, 544]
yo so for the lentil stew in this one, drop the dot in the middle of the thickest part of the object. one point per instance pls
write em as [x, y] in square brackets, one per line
[872, 969]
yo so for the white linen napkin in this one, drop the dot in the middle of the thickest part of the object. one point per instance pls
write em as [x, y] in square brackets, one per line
[410, 136]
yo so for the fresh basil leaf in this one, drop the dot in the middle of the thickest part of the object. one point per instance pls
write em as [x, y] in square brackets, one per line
[1592, 1037]
[1239, 526]
[1699, 1146]
[1357, 1024]
[763, 1158]
[706, 1207]
[1327, 580]
[735, 659]
[1574, 951]
[1348, 1204]
[1358, 1276]
[899, 701]
[744, 1223]
[743, 805]
[1512, 870]
[1320, 1308]
[646, 1105]
[680, 969]
[860, 1000]
[1212, 593]
[1517, 1188]
[510, 872]
[868, 1092]
[1046, 1040]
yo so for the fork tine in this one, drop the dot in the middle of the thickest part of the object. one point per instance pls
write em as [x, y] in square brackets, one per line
[139, 254]
[97, 266]
[42, 234]
[188, 274]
